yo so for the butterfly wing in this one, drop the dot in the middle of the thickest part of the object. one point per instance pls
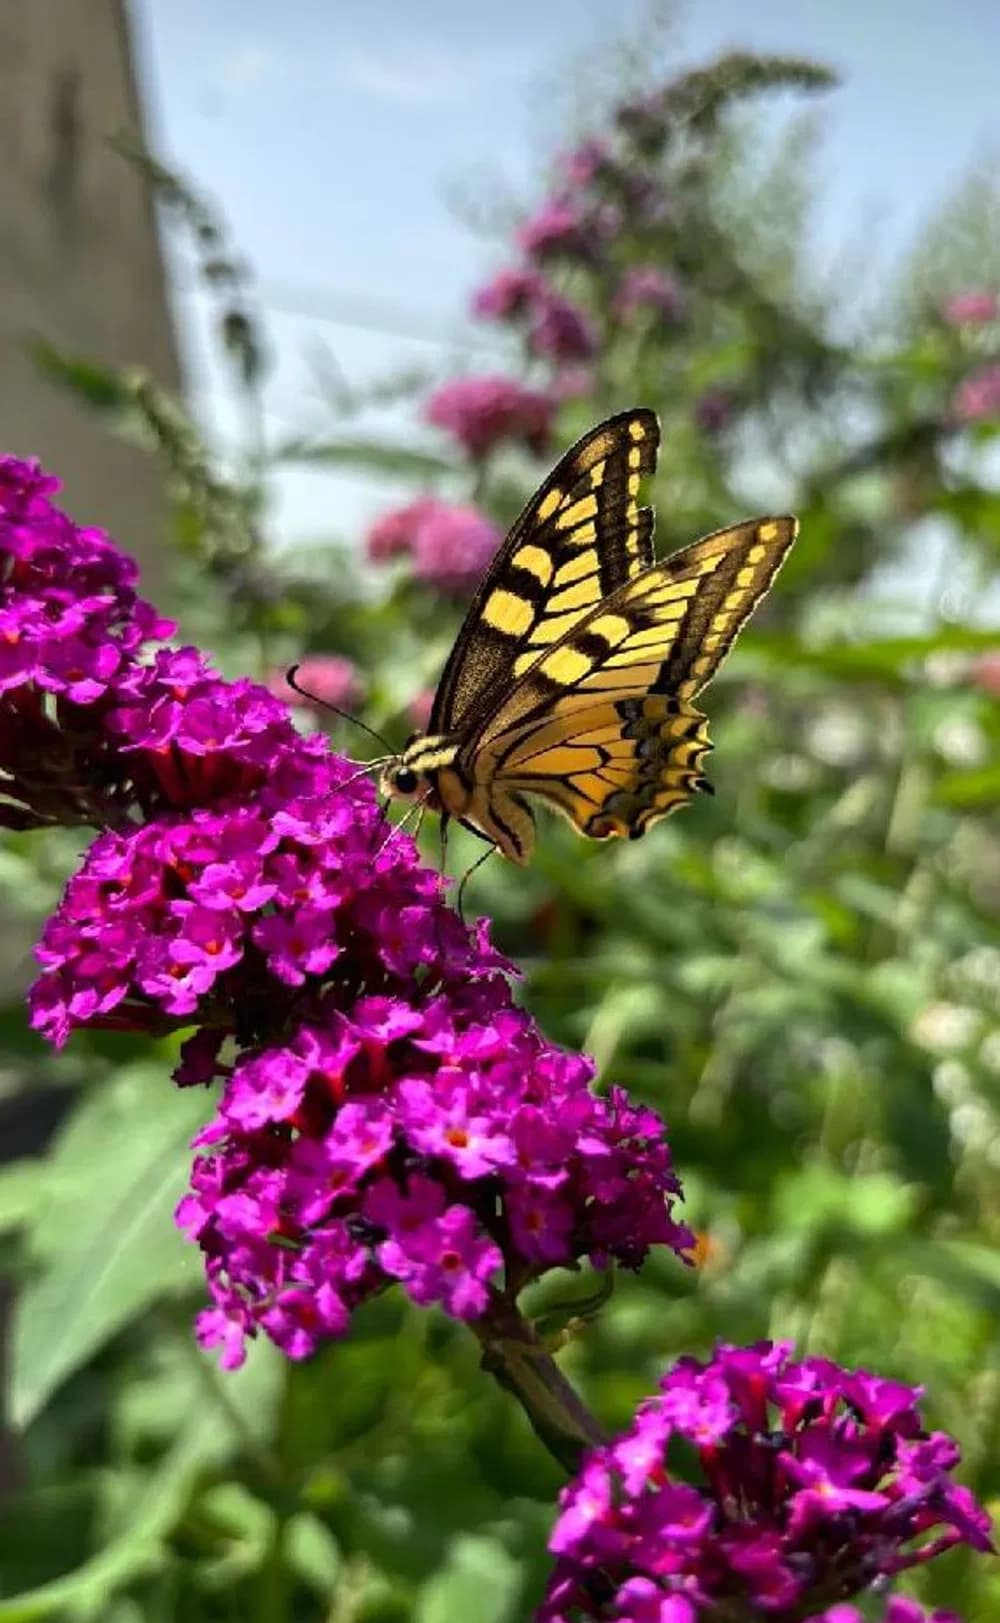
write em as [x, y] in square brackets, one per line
[581, 537]
[603, 726]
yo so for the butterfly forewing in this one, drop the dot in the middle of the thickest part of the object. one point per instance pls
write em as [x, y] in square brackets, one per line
[579, 540]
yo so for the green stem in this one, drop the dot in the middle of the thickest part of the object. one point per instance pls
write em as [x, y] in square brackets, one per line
[514, 1356]
[271, 1586]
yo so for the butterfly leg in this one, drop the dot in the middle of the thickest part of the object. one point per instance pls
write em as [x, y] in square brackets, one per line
[468, 875]
[416, 810]
[383, 817]
[445, 820]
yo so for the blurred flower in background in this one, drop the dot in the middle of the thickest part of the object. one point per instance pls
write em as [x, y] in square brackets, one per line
[327, 679]
[452, 546]
[978, 396]
[448, 545]
[484, 412]
[646, 287]
[970, 309]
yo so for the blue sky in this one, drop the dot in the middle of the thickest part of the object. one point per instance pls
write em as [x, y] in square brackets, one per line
[335, 137]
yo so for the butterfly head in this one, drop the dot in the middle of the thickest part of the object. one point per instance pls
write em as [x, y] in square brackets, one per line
[412, 775]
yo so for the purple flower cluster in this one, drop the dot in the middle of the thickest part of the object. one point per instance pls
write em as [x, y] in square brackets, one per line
[600, 191]
[449, 545]
[387, 1114]
[816, 1483]
[898, 1610]
[713, 411]
[437, 1141]
[590, 162]
[452, 546]
[560, 331]
[511, 294]
[648, 288]
[556, 328]
[564, 227]
[484, 412]
[70, 623]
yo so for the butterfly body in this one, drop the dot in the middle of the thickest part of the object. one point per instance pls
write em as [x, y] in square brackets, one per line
[573, 677]
[428, 770]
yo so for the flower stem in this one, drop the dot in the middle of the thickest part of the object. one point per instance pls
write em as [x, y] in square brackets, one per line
[518, 1361]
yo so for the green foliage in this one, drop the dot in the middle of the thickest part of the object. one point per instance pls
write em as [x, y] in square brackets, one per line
[802, 974]
[94, 1265]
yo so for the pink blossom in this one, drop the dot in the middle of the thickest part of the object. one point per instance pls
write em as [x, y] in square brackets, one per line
[984, 671]
[968, 309]
[647, 287]
[573, 383]
[978, 395]
[325, 679]
[585, 163]
[484, 412]
[392, 535]
[560, 331]
[452, 546]
[807, 1492]
[559, 227]
[509, 295]
[419, 709]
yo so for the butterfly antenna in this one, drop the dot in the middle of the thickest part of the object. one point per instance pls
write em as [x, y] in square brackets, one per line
[363, 771]
[345, 715]
[467, 876]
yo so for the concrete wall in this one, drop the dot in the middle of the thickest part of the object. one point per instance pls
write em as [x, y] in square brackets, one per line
[80, 261]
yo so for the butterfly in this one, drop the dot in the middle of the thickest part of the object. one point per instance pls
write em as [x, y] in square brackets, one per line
[573, 677]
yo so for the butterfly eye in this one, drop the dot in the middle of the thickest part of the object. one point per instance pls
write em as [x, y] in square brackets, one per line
[405, 781]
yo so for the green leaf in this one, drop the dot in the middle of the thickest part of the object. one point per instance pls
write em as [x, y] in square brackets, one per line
[978, 786]
[966, 1267]
[99, 387]
[83, 1593]
[104, 1239]
[401, 461]
[312, 1553]
[884, 657]
[20, 1193]
[479, 1579]
[243, 1528]
[875, 1204]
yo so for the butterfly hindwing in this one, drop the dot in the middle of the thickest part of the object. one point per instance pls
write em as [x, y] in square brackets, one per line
[614, 767]
[579, 540]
